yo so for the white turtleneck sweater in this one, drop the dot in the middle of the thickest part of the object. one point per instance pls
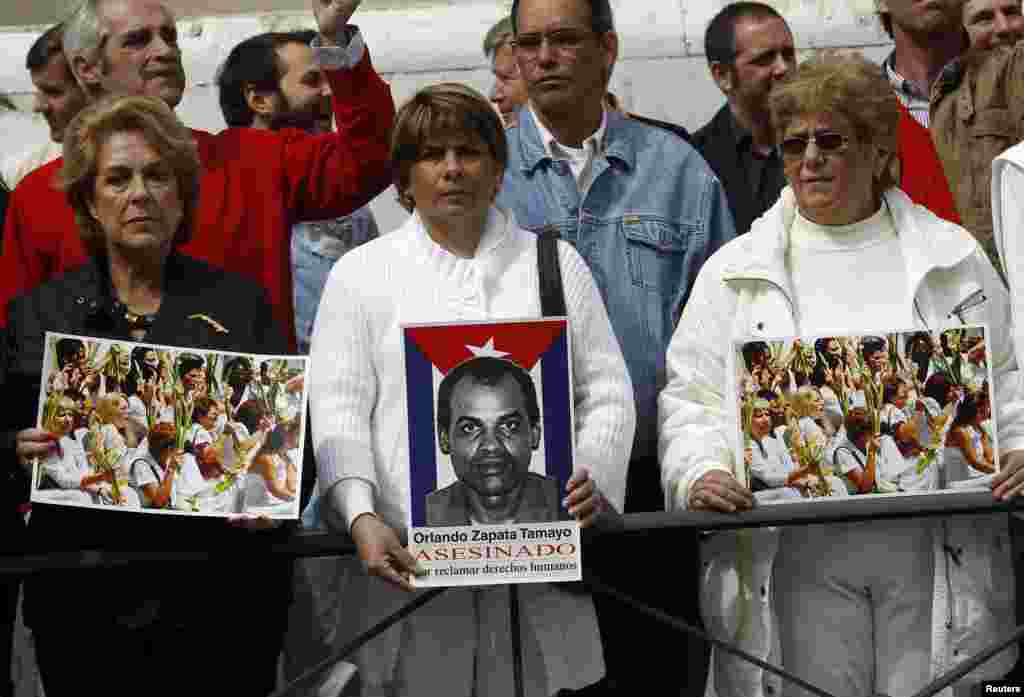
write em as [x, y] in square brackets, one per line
[357, 392]
[828, 264]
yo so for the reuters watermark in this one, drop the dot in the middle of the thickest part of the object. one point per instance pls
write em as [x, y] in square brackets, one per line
[1001, 687]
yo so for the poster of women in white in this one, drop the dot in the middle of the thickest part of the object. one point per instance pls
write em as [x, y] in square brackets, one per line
[490, 451]
[170, 430]
[892, 413]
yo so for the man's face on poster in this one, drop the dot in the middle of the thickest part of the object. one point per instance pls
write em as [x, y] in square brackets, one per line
[491, 439]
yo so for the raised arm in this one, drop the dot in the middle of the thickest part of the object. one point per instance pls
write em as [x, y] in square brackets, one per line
[331, 175]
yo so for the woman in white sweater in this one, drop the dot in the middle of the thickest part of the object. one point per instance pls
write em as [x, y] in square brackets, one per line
[458, 258]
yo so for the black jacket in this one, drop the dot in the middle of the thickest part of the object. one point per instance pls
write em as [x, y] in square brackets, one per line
[717, 143]
[80, 302]
[671, 127]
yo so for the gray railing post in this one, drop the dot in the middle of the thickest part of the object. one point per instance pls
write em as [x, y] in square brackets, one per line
[517, 646]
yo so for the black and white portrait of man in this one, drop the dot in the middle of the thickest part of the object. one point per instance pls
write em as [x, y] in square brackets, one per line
[488, 422]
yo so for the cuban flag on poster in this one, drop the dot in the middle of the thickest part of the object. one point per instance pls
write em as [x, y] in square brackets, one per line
[541, 348]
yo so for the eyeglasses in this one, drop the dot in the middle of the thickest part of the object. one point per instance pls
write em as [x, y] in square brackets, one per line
[828, 142]
[563, 40]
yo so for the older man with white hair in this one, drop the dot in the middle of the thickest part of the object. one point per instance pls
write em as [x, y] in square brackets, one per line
[255, 184]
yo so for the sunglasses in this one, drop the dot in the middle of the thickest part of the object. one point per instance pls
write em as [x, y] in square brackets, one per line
[828, 142]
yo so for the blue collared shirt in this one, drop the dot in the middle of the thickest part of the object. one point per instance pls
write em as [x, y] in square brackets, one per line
[652, 213]
[315, 248]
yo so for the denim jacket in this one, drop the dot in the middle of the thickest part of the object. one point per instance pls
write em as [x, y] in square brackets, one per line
[651, 216]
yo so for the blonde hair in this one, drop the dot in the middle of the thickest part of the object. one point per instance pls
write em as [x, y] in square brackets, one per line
[442, 109]
[850, 86]
[59, 401]
[90, 130]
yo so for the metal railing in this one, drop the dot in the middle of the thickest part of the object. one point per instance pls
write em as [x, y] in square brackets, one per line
[314, 544]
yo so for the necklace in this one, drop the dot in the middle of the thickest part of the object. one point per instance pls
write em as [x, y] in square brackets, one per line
[139, 322]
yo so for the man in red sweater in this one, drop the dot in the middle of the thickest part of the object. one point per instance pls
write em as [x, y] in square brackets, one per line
[255, 183]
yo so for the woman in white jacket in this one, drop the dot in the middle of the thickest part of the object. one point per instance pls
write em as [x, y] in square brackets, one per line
[458, 258]
[865, 607]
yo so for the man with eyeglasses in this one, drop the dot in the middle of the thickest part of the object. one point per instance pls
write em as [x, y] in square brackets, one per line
[644, 210]
[749, 48]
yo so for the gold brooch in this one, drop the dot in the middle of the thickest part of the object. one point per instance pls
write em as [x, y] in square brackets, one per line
[217, 326]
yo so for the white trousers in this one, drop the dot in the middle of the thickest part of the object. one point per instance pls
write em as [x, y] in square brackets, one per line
[854, 604]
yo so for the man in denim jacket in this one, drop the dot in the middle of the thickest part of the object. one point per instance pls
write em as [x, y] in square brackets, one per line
[639, 204]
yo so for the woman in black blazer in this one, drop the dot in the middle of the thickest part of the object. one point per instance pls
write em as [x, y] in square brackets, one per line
[131, 173]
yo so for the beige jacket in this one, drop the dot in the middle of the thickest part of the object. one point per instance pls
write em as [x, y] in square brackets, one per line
[977, 113]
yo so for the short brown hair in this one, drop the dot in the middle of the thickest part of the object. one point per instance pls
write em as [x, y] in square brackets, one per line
[445, 108]
[848, 85]
[89, 131]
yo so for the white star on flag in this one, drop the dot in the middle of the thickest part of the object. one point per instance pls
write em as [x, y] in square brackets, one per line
[487, 350]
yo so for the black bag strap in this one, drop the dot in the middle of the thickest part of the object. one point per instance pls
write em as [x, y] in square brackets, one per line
[853, 453]
[152, 467]
[552, 294]
[861, 463]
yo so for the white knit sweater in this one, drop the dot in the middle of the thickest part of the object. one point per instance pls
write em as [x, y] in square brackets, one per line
[360, 436]
[357, 391]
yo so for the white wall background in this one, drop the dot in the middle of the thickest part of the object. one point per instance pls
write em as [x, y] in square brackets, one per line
[661, 71]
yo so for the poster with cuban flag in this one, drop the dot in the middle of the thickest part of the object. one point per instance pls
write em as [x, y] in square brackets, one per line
[490, 414]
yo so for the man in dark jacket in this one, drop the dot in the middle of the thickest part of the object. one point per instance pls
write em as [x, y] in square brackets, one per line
[749, 48]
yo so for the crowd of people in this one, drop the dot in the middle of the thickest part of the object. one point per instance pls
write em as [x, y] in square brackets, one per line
[142, 427]
[826, 200]
[841, 416]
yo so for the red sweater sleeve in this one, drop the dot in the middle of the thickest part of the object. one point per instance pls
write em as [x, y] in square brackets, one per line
[34, 248]
[331, 175]
[19, 268]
